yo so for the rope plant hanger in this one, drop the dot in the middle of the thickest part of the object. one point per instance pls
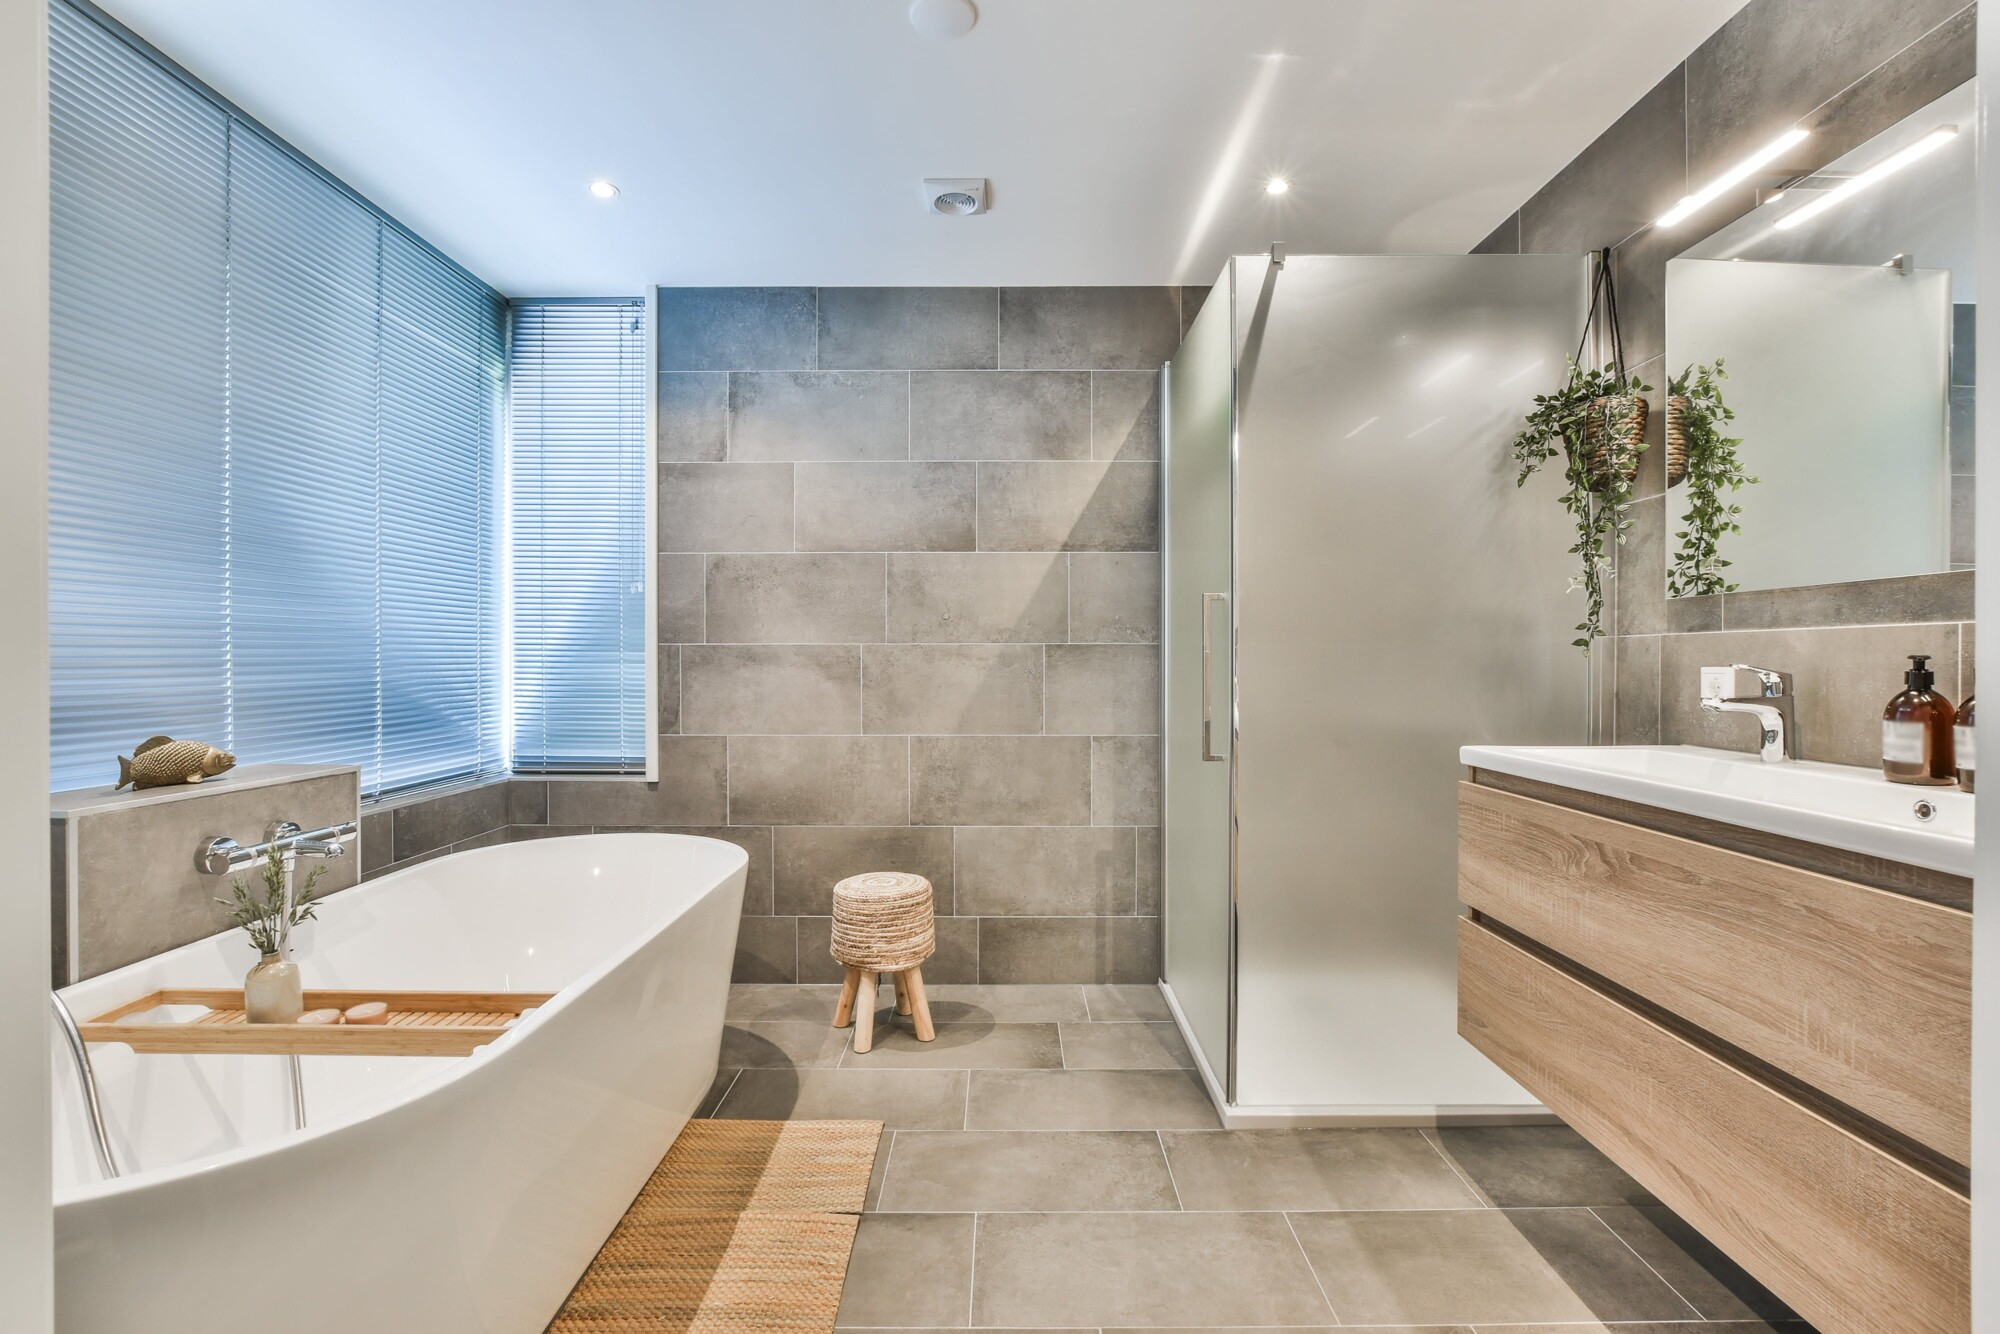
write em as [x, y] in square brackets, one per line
[1596, 424]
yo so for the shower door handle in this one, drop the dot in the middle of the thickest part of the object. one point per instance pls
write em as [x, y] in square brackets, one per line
[1208, 601]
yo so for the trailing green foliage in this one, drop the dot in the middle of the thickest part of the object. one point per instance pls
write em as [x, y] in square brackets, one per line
[1712, 469]
[1597, 499]
[259, 913]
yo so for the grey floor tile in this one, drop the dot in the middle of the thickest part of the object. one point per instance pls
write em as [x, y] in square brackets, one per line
[1143, 1269]
[1005, 1171]
[1643, 1327]
[782, 1000]
[1536, 1165]
[724, 1077]
[1023, 1004]
[884, 1150]
[1088, 1100]
[907, 1267]
[1118, 1004]
[1477, 1266]
[900, 1099]
[1313, 1170]
[1711, 1282]
[788, 1044]
[1124, 1047]
[960, 1047]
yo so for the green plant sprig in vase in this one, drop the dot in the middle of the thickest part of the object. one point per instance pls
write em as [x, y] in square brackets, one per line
[1713, 472]
[1581, 423]
[260, 914]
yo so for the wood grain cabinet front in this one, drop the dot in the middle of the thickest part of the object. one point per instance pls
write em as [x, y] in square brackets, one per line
[1855, 1238]
[1861, 994]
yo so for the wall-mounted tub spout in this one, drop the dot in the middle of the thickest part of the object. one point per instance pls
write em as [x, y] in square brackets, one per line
[86, 1079]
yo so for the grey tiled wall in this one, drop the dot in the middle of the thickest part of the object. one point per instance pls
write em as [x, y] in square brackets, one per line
[909, 585]
[1844, 69]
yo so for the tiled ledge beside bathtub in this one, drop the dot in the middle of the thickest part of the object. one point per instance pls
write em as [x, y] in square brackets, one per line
[123, 881]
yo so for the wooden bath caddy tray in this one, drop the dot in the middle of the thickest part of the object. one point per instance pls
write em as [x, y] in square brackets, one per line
[421, 1023]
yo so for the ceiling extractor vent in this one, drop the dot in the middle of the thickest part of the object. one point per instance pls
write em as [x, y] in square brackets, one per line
[955, 196]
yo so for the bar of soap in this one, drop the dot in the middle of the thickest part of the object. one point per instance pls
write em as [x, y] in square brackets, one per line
[368, 1012]
[319, 1017]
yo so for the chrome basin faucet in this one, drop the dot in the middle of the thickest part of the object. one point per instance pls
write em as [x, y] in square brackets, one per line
[1763, 694]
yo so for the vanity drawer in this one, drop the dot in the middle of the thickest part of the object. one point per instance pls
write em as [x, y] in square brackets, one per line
[1862, 994]
[1855, 1239]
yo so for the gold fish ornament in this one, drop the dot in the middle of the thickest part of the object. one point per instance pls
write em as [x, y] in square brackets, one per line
[161, 761]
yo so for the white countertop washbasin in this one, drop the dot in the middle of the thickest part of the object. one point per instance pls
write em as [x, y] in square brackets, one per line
[1837, 805]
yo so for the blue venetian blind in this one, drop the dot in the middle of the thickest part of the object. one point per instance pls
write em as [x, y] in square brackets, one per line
[576, 429]
[273, 506]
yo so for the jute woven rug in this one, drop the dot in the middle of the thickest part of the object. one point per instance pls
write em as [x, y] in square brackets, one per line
[745, 1225]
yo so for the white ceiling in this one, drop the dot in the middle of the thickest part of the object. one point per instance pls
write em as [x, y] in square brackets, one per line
[782, 141]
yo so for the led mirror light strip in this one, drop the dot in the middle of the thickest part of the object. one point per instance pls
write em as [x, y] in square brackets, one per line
[1888, 166]
[1761, 158]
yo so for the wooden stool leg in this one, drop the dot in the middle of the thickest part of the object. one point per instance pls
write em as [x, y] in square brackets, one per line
[864, 1013]
[913, 983]
[843, 1013]
[902, 992]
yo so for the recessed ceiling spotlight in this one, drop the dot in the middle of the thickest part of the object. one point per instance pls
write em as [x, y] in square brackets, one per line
[943, 19]
[604, 189]
[1277, 185]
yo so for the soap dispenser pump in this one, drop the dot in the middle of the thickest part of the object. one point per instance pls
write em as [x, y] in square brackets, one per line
[1916, 731]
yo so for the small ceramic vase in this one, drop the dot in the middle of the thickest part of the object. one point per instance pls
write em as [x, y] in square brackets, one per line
[274, 993]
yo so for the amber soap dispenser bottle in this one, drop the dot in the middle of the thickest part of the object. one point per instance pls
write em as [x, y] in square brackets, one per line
[1916, 731]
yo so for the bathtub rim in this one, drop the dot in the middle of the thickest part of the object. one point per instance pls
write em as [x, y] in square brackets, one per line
[463, 1068]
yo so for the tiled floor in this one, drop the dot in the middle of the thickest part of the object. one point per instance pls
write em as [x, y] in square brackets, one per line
[1050, 1163]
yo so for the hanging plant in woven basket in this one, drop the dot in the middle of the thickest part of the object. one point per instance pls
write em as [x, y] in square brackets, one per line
[1596, 424]
[1678, 408]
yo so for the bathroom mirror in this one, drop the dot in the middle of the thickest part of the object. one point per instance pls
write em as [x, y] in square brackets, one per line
[1841, 311]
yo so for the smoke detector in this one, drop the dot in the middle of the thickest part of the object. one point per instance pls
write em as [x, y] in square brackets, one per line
[955, 196]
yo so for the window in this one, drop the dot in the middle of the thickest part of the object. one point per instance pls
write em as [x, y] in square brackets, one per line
[274, 489]
[578, 467]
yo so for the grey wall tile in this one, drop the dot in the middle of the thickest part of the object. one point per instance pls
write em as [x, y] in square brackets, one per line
[985, 688]
[135, 887]
[1192, 299]
[1146, 876]
[786, 780]
[770, 688]
[766, 950]
[1964, 422]
[683, 597]
[1098, 688]
[692, 420]
[378, 848]
[669, 695]
[1636, 692]
[527, 801]
[1776, 60]
[737, 328]
[843, 416]
[1069, 506]
[1088, 328]
[1008, 871]
[1628, 176]
[1962, 543]
[1504, 239]
[1125, 780]
[1125, 415]
[1965, 343]
[983, 597]
[1640, 267]
[1914, 77]
[1643, 605]
[1069, 949]
[887, 506]
[1923, 597]
[690, 790]
[1841, 678]
[909, 328]
[956, 960]
[725, 507]
[980, 780]
[1000, 415]
[438, 822]
[811, 860]
[802, 599]
[1114, 598]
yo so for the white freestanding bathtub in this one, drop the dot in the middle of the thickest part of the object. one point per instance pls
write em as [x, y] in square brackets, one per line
[444, 1195]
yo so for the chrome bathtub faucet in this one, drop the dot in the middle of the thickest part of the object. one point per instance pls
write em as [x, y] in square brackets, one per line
[1763, 694]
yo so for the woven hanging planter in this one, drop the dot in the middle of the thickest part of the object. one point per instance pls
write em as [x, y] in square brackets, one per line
[1615, 435]
[1677, 441]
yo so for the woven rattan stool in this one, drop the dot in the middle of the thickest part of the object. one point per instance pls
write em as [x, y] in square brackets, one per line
[883, 923]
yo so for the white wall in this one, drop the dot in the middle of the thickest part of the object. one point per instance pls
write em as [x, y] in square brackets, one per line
[1986, 881]
[25, 1257]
